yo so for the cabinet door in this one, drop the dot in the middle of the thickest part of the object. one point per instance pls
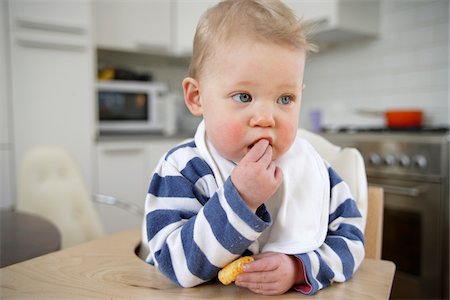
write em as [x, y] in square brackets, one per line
[186, 14]
[122, 173]
[51, 15]
[156, 151]
[6, 179]
[318, 11]
[4, 102]
[52, 76]
[133, 25]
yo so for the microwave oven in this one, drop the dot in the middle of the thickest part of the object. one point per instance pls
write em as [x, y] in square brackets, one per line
[128, 106]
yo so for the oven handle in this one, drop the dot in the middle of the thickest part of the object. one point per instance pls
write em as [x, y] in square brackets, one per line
[402, 191]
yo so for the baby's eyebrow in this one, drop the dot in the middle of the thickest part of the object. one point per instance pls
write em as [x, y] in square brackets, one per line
[291, 85]
[244, 82]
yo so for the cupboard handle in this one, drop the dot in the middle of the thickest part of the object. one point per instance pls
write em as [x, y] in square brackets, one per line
[402, 191]
[47, 25]
[52, 45]
[151, 48]
[121, 150]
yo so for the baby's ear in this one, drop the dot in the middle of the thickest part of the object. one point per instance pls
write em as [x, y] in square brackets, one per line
[192, 96]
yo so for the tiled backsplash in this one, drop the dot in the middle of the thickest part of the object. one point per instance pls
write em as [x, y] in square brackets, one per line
[407, 66]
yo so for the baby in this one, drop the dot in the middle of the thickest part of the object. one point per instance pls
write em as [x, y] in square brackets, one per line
[247, 184]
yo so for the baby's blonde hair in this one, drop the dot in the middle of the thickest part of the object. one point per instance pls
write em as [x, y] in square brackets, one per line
[257, 20]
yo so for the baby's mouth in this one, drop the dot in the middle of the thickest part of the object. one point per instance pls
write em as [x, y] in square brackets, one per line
[251, 145]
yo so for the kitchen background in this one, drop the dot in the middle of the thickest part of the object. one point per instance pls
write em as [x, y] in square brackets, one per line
[375, 55]
[405, 66]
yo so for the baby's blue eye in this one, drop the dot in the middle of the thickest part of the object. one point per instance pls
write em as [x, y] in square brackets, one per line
[242, 97]
[285, 100]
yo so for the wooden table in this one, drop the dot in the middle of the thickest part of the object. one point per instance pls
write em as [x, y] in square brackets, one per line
[25, 236]
[108, 268]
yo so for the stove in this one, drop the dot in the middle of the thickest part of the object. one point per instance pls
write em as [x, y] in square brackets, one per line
[412, 166]
[359, 129]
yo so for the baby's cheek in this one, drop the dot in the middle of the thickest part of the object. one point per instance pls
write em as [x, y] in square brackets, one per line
[287, 137]
[234, 132]
[231, 141]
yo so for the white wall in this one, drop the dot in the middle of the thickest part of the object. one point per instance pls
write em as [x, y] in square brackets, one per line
[407, 66]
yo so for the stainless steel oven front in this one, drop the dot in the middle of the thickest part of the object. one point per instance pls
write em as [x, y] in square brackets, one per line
[412, 234]
[413, 170]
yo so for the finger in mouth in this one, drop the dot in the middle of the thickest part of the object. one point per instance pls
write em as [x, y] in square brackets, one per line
[252, 145]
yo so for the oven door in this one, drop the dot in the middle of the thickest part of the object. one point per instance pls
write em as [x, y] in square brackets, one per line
[412, 236]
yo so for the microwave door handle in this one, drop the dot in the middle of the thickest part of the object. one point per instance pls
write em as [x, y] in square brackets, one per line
[402, 191]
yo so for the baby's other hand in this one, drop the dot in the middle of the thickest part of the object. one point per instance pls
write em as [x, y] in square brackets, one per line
[256, 176]
[271, 273]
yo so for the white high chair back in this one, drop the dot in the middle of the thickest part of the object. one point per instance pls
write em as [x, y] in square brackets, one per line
[51, 186]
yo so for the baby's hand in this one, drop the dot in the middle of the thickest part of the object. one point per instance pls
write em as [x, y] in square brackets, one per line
[271, 274]
[256, 176]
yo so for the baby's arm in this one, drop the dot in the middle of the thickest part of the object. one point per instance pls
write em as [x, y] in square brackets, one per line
[336, 260]
[343, 251]
[194, 229]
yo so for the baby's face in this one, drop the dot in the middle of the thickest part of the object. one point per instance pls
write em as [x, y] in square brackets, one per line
[251, 91]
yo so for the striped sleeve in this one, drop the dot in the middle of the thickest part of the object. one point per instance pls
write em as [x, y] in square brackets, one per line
[343, 250]
[193, 228]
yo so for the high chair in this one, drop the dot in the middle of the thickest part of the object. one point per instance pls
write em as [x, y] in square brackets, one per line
[51, 186]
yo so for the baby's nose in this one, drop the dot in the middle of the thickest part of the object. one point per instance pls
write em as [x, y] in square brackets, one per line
[263, 117]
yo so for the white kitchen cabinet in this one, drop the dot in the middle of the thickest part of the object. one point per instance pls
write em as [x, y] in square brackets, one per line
[124, 169]
[6, 178]
[339, 20]
[123, 174]
[152, 26]
[52, 77]
[186, 16]
[134, 25]
[51, 15]
[4, 102]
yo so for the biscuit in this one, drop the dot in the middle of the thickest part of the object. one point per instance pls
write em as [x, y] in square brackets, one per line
[229, 273]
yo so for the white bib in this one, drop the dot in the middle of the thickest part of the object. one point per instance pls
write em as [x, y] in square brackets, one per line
[299, 208]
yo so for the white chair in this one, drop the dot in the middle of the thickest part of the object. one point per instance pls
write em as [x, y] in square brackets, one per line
[51, 185]
[349, 164]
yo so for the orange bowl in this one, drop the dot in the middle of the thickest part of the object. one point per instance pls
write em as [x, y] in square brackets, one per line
[404, 118]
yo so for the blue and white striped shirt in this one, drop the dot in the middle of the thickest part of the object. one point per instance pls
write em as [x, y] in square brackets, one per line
[193, 228]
